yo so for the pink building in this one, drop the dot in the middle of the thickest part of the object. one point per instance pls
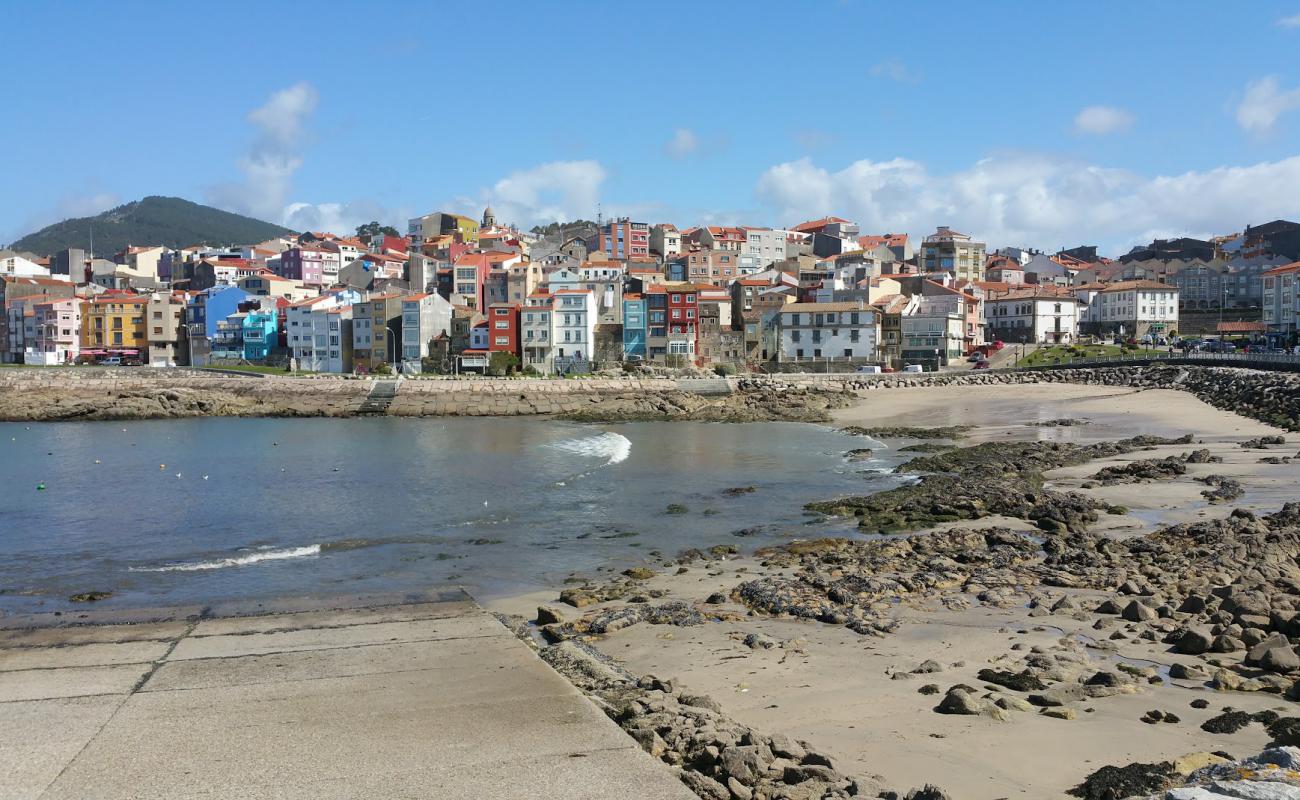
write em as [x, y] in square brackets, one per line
[57, 333]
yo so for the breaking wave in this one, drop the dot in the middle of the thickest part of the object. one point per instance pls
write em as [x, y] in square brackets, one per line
[236, 561]
[613, 447]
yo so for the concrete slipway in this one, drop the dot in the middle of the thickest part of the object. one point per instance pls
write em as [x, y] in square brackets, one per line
[414, 697]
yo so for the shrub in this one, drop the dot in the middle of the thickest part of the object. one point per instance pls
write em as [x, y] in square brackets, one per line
[724, 370]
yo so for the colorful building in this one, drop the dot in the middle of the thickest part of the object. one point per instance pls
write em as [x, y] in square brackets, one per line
[56, 329]
[504, 329]
[114, 324]
[634, 327]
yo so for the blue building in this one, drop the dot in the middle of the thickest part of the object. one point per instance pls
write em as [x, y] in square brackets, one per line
[634, 326]
[261, 332]
[205, 311]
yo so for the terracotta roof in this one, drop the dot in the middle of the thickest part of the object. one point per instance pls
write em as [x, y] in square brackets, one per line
[814, 224]
[1285, 268]
[1128, 286]
[1240, 327]
[815, 307]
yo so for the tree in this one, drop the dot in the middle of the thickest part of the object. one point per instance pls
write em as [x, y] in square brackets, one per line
[502, 363]
[373, 228]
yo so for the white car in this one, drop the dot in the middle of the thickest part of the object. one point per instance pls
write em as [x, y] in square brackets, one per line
[914, 368]
[869, 370]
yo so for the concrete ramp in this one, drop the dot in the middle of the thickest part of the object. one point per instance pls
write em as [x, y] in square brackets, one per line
[431, 698]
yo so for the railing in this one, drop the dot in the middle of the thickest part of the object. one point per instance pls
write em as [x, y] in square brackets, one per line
[1265, 360]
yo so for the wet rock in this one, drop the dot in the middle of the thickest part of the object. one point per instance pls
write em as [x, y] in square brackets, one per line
[1227, 722]
[1023, 681]
[1116, 783]
[89, 597]
[549, 616]
[760, 641]
[639, 573]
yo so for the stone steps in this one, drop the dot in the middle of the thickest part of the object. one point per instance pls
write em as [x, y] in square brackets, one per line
[381, 396]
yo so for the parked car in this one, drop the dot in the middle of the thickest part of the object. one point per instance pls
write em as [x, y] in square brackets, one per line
[998, 345]
[1221, 347]
[913, 368]
[976, 356]
[111, 361]
[869, 370]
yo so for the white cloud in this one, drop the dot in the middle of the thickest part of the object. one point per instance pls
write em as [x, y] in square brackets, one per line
[1035, 200]
[895, 70]
[1292, 21]
[1264, 102]
[683, 143]
[273, 157]
[559, 190]
[1101, 120]
[342, 218]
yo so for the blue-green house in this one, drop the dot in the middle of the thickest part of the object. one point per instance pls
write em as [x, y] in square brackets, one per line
[261, 333]
[634, 326]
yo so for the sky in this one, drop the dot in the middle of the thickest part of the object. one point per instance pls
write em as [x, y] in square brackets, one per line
[1025, 124]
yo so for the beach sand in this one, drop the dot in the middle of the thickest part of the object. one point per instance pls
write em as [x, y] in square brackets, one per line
[834, 688]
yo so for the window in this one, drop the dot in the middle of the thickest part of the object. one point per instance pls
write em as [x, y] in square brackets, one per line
[503, 324]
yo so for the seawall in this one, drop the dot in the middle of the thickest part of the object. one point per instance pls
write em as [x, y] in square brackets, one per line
[90, 394]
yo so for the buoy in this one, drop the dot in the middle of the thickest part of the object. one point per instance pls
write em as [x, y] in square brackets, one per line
[162, 466]
[40, 487]
[336, 469]
[275, 444]
[97, 461]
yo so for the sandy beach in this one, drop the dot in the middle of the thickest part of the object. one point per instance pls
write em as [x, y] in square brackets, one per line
[857, 696]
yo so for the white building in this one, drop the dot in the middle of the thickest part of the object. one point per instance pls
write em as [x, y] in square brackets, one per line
[17, 265]
[765, 245]
[331, 331]
[1133, 308]
[424, 317]
[298, 321]
[1033, 314]
[537, 331]
[828, 330]
[574, 324]
[1281, 304]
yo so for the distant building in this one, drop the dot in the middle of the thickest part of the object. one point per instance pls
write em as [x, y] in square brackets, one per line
[1043, 314]
[1133, 308]
[165, 323]
[504, 334]
[430, 226]
[1281, 303]
[56, 329]
[634, 327]
[623, 239]
[828, 330]
[425, 318]
[946, 250]
[114, 324]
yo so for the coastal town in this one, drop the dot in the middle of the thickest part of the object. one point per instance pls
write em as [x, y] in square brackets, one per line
[462, 295]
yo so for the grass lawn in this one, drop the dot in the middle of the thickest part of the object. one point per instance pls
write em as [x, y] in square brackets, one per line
[1063, 353]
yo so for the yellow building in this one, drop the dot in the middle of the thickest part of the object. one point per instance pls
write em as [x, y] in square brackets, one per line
[114, 324]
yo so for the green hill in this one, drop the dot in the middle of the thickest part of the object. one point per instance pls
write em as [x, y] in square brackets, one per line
[168, 221]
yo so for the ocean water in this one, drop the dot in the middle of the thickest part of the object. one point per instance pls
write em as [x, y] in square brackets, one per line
[206, 510]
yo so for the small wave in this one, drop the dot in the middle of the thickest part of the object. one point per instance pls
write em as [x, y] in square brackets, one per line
[236, 561]
[613, 447]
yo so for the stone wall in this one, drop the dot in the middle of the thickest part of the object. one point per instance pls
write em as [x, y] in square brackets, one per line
[66, 394]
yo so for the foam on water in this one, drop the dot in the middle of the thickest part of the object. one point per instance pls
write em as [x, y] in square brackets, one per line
[613, 447]
[236, 561]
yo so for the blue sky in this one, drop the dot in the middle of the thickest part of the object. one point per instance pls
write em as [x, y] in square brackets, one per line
[1032, 124]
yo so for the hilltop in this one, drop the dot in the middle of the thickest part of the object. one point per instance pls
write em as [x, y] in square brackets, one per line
[167, 221]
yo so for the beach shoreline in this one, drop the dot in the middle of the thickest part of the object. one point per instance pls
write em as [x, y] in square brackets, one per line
[856, 696]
